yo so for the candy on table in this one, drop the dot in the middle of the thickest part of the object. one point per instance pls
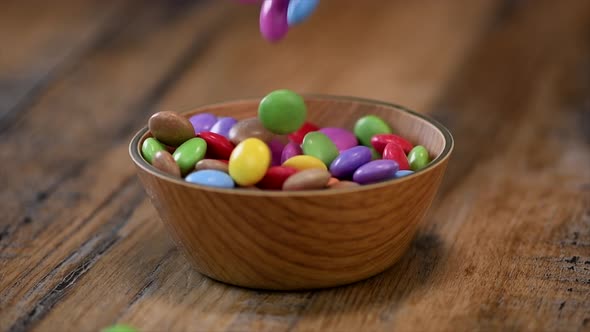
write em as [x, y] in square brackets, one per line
[313, 158]
[119, 328]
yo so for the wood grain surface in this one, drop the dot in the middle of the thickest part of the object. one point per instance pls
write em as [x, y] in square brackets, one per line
[506, 245]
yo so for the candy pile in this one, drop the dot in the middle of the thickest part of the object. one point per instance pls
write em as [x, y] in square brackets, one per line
[278, 16]
[278, 149]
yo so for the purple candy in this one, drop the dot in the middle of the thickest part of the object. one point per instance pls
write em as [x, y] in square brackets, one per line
[276, 150]
[273, 19]
[349, 161]
[203, 122]
[375, 171]
[342, 138]
[291, 150]
[223, 126]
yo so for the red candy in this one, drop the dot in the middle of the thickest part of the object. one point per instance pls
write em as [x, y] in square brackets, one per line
[218, 147]
[275, 177]
[297, 137]
[379, 142]
[394, 152]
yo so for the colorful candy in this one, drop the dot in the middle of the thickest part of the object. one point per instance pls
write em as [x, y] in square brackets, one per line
[202, 122]
[279, 149]
[211, 178]
[189, 153]
[249, 162]
[309, 179]
[150, 147]
[369, 126]
[349, 161]
[300, 10]
[170, 128]
[282, 111]
[418, 158]
[164, 161]
[318, 145]
[375, 171]
[249, 128]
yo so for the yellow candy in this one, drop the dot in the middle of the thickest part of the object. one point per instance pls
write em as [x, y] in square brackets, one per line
[249, 161]
[303, 162]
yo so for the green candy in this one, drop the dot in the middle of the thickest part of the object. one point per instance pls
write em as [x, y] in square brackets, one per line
[189, 153]
[282, 112]
[369, 126]
[418, 158]
[150, 147]
[317, 144]
[374, 154]
[119, 328]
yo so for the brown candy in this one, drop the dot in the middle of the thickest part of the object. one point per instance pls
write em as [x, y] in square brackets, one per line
[164, 161]
[343, 184]
[171, 128]
[309, 179]
[249, 128]
[212, 164]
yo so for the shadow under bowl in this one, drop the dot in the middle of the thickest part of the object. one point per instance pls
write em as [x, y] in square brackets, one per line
[308, 239]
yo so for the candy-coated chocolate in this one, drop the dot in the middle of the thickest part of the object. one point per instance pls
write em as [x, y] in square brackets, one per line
[275, 177]
[170, 128]
[282, 111]
[248, 128]
[164, 161]
[379, 142]
[218, 146]
[291, 150]
[150, 147]
[332, 181]
[342, 138]
[218, 165]
[418, 158]
[375, 171]
[189, 153]
[368, 126]
[317, 144]
[119, 328]
[298, 135]
[211, 178]
[273, 19]
[402, 173]
[374, 154]
[309, 179]
[202, 122]
[249, 162]
[349, 161]
[300, 10]
[276, 150]
[223, 126]
[394, 152]
[343, 184]
[303, 162]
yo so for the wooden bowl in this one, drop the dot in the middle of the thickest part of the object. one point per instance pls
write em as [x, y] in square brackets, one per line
[300, 240]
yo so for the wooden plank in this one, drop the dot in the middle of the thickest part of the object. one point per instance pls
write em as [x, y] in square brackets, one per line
[41, 40]
[54, 227]
[150, 284]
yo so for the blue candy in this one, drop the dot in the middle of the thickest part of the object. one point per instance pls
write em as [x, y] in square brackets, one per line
[211, 178]
[300, 10]
[403, 173]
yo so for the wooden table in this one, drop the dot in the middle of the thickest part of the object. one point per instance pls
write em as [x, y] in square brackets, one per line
[506, 245]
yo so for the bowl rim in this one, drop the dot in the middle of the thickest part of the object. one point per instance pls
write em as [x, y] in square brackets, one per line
[449, 143]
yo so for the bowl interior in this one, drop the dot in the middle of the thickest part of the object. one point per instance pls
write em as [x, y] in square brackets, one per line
[330, 111]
